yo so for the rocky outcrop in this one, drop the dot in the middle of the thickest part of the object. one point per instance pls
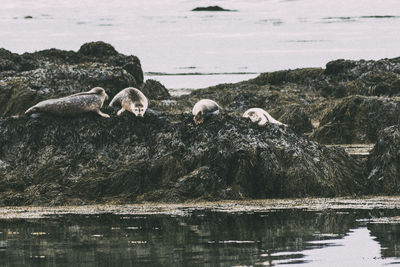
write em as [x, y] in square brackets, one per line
[297, 118]
[370, 78]
[32, 77]
[163, 158]
[384, 163]
[343, 78]
[155, 90]
[357, 119]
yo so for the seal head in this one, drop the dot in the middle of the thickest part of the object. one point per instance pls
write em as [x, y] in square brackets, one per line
[132, 100]
[204, 108]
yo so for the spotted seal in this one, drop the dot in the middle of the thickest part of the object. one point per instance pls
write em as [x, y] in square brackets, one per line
[261, 116]
[204, 108]
[72, 105]
[132, 100]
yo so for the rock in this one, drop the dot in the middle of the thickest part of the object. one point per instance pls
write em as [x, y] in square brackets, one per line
[342, 78]
[211, 8]
[384, 163]
[32, 77]
[200, 184]
[357, 119]
[163, 158]
[339, 66]
[297, 119]
[155, 90]
[305, 76]
[371, 78]
[98, 49]
[25, 89]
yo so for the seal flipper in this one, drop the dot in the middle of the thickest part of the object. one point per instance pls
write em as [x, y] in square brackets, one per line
[120, 111]
[31, 110]
[104, 115]
[263, 121]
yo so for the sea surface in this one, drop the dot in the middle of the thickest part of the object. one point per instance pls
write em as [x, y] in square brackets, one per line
[186, 49]
[343, 232]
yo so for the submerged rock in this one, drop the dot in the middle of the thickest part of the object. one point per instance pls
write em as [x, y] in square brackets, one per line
[164, 158]
[384, 163]
[211, 8]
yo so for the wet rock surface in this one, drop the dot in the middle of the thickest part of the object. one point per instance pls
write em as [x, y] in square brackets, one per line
[357, 119]
[297, 118]
[51, 160]
[384, 163]
[165, 157]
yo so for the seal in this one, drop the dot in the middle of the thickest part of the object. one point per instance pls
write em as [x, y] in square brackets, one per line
[204, 108]
[72, 105]
[132, 100]
[261, 116]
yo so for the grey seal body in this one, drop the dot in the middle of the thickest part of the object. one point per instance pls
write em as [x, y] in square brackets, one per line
[73, 105]
[204, 108]
[260, 116]
[132, 100]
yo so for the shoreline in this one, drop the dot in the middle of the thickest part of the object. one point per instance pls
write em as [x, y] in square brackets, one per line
[226, 206]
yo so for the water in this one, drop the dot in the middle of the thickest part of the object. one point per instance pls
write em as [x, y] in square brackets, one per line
[263, 35]
[217, 235]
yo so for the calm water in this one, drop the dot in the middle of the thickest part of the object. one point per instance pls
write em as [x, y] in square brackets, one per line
[279, 237]
[263, 35]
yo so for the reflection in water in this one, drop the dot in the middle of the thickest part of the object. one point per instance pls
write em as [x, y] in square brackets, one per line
[388, 235]
[356, 249]
[328, 238]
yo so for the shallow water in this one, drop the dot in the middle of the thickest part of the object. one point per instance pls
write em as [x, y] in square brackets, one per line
[262, 35]
[305, 232]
